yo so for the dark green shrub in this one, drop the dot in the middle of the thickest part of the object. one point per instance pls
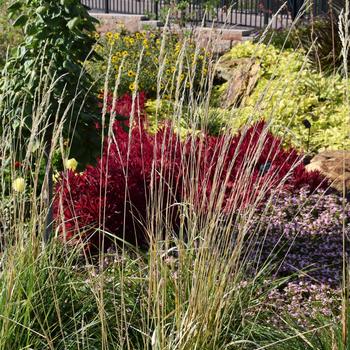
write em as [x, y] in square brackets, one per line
[57, 41]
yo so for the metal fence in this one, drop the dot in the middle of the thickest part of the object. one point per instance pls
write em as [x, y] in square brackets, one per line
[250, 13]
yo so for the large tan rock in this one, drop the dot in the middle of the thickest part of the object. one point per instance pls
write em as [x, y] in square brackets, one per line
[335, 165]
[241, 76]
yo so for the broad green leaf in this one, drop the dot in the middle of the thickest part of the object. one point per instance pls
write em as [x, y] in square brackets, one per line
[20, 21]
[41, 9]
[73, 23]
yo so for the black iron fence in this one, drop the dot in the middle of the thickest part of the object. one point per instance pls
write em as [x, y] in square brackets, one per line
[251, 13]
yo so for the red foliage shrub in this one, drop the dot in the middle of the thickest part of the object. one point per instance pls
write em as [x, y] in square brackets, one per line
[114, 194]
[246, 164]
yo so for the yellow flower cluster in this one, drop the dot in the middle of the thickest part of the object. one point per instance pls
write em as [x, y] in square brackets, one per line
[128, 50]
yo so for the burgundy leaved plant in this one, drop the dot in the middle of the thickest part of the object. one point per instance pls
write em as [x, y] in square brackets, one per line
[114, 195]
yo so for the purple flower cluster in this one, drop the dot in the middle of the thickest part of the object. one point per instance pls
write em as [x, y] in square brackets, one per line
[303, 303]
[303, 234]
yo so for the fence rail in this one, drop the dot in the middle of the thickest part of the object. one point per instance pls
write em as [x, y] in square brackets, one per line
[250, 13]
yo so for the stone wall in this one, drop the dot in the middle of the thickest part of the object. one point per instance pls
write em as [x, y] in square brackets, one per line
[221, 39]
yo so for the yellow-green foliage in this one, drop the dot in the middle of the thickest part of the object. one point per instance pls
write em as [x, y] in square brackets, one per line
[213, 120]
[289, 91]
[178, 65]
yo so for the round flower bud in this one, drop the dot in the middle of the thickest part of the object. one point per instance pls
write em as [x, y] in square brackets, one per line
[19, 184]
[71, 164]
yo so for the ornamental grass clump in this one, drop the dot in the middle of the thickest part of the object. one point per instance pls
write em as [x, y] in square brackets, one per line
[190, 199]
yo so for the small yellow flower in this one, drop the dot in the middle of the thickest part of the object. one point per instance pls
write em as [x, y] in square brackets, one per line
[133, 86]
[168, 71]
[138, 36]
[124, 53]
[19, 184]
[158, 42]
[115, 59]
[71, 164]
[152, 36]
[97, 36]
[109, 35]
[56, 177]
[131, 73]
[132, 41]
[116, 36]
[173, 69]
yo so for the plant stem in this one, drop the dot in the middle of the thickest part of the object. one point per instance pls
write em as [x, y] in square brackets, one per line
[49, 183]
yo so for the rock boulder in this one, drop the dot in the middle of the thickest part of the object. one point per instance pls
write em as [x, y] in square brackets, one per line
[241, 76]
[335, 165]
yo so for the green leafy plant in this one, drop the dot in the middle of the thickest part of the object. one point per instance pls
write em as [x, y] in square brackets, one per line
[57, 41]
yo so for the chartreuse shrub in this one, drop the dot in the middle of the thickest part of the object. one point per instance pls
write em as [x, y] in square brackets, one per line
[212, 120]
[176, 58]
[287, 92]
